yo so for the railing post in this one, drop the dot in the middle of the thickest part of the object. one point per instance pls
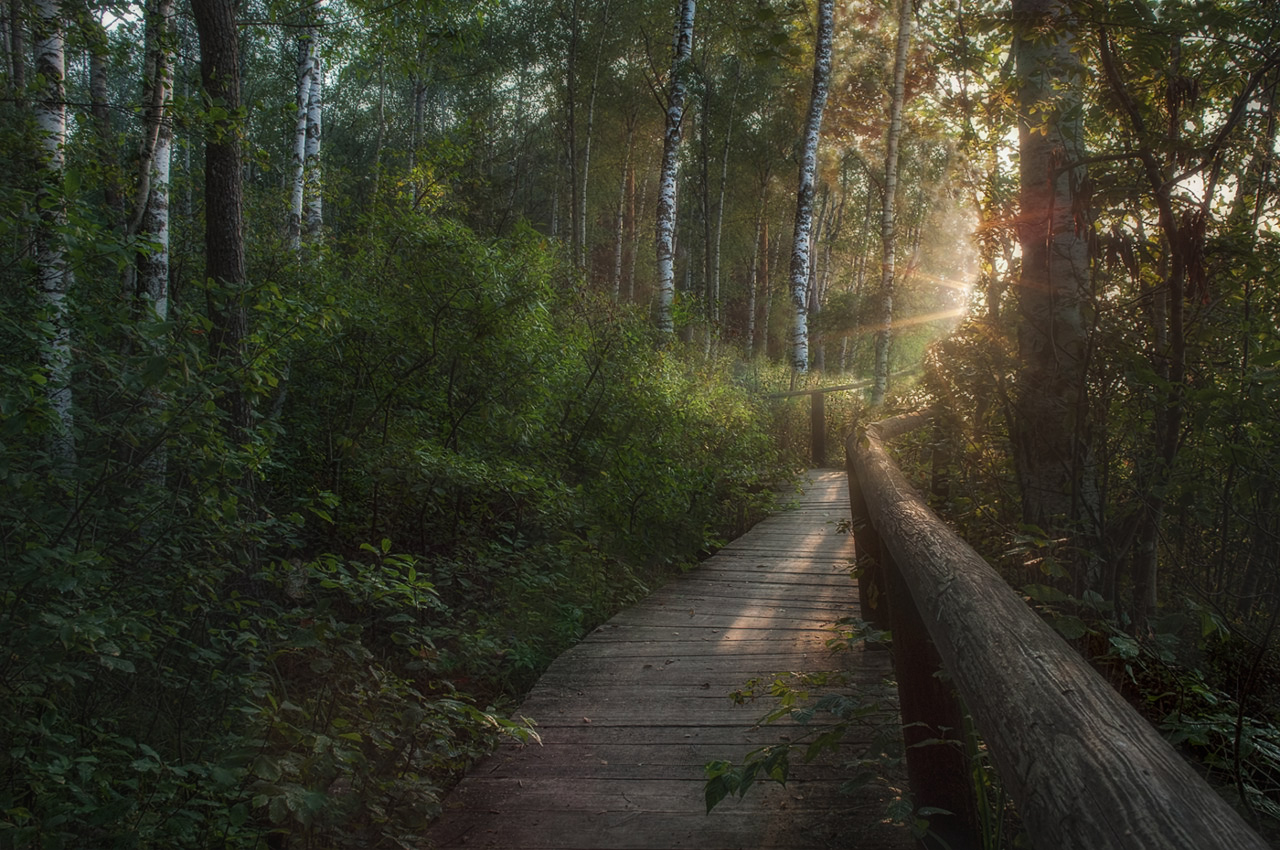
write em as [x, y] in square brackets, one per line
[932, 724]
[873, 595]
[1085, 769]
[818, 428]
[938, 773]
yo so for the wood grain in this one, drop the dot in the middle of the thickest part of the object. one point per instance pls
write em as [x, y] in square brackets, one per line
[630, 716]
[1086, 771]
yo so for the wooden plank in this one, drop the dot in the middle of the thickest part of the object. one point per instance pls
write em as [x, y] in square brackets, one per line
[629, 717]
[1084, 768]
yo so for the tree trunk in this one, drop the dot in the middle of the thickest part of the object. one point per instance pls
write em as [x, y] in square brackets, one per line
[583, 247]
[17, 50]
[666, 218]
[625, 182]
[315, 102]
[800, 249]
[151, 210]
[1049, 449]
[637, 214]
[224, 220]
[571, 128]
[704, 199]
[100, 109]
[54, 276]
[759, 250]
[306, 57]
[724, 181]
[771, 257]
[888, 209]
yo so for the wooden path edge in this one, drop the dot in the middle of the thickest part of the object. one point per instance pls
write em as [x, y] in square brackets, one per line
[630, 716]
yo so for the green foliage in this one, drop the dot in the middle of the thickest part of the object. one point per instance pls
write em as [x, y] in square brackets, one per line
[203, 648]
[826, 708]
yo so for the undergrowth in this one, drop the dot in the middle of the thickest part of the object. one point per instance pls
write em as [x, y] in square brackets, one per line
[299, 636]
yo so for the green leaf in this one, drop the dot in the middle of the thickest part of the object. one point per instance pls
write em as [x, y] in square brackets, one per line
[1071, 628]
[266, 768]
[1125, 646]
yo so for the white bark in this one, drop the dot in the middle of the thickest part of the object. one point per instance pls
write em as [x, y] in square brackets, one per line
[888, 217]
[302, 101]
[151, 216]
[314, 197]
[54, 277]
[670, 170]
[800, 249]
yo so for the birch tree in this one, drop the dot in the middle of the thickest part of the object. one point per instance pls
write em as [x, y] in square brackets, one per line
[151, 205]
[315, 104]
[54, 275]
[306, 138]
[306, 54]
[801, 244]
[888, 209]
[666, 227]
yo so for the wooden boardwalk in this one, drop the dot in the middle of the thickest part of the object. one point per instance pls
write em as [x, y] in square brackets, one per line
[630, 716]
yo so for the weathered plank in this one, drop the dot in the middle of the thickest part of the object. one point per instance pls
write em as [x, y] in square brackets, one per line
[1086, 771]
[630, 716]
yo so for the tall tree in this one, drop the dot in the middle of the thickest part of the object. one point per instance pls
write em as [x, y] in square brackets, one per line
[224, 203]
[151, 204]
[55, 277]
[1169, 155]
[666, 226]
[315, 115]
[1048, 432]
[888, 208]
[305, 203]
[801, 244]
[302, 100]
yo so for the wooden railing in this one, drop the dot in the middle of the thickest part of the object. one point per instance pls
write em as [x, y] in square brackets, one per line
[817, 410]
[1083, 767]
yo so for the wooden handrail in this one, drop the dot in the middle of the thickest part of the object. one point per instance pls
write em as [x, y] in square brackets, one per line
[1084, 768]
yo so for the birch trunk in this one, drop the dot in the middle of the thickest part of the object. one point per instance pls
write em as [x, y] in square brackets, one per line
[1052, 335]
[315, 101]
[666, 218]
[800, 250]
[888, 210]
[55, 279]
[302, 100]
[151, 216]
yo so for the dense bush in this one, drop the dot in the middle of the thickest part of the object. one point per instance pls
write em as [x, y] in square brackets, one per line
[460, 464]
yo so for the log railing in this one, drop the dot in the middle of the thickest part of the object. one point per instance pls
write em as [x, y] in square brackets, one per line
[1083, 767]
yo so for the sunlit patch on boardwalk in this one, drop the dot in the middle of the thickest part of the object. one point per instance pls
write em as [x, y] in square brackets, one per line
[629, 717]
